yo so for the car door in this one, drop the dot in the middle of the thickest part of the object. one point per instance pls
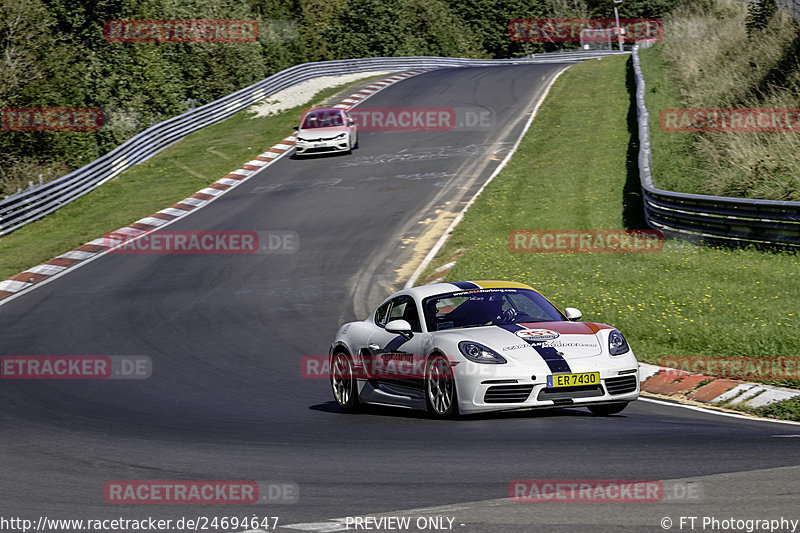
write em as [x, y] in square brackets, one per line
[392, 357]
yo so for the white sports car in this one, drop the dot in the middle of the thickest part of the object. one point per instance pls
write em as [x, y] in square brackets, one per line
[326, 131]
[470, 347]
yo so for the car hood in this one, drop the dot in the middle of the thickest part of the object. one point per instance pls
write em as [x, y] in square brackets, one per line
[573, 340]
[317, 133]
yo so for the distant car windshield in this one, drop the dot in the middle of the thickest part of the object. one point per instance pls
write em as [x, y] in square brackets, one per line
[484, 307]
[322, 119]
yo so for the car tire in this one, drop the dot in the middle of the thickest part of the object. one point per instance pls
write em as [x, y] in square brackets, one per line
[343, 383]
[440, 388]
[607, 409]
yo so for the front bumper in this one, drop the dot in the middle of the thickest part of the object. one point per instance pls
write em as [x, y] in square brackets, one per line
[322, 147]
[509, 388]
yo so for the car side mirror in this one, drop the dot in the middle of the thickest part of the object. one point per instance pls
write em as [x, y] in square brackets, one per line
[297, 128]
[400, 326]
[572, 314]
[350, 122]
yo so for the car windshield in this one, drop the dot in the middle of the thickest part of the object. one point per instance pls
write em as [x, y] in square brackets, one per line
[322, 119]
[485, 307]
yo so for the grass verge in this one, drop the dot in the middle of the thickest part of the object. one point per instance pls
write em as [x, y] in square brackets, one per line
[783, 410]
[676, 166]
[179, 171]
[709, 59]
[576, 168]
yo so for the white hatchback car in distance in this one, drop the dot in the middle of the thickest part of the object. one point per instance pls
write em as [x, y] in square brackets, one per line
[329, 130]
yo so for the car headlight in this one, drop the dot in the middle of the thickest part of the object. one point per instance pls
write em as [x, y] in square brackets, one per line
[479, 353]
[301, 139]
[341, 136]
[617, 345]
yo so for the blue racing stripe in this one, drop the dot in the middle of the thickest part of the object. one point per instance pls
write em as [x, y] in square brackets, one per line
[464, 285]
[555, 362]
[395, 343]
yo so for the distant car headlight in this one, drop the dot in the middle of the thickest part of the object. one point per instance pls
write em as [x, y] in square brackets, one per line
[617, 345]
[301, 139]
[479, 353]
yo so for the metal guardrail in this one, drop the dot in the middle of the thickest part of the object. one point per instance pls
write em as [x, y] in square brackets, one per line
[709, 218]
[20, 209]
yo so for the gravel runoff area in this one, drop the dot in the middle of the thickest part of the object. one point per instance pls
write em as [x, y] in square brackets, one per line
[303, 92]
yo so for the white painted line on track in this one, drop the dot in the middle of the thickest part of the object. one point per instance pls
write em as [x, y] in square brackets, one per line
[319, 527]
[716, 411]
[339, 524]
[443, 239]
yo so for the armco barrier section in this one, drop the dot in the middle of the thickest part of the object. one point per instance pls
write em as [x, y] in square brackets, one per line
[709, 218]
[20, 209]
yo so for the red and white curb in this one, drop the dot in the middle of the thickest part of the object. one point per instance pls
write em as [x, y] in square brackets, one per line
[57, 266]
[701, 388]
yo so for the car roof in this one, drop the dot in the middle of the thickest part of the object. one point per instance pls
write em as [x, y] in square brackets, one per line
[324, 109]
[424, 291]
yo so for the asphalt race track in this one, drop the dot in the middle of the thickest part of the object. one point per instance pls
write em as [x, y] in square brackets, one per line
[226, 333]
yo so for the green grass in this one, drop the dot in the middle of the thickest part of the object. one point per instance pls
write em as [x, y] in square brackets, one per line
[784, 410]
[576, 169]
[179, 171]
[708, 59]
[676, 166]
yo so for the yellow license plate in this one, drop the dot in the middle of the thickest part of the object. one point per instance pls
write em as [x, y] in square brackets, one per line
[572, 380]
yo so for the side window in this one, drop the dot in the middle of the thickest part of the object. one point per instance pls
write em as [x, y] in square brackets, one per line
[381, 314]
[398, 308]
[404, 307]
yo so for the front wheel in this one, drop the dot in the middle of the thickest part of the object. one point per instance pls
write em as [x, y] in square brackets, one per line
[343, 383]
[440, 388]
[607, 409]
